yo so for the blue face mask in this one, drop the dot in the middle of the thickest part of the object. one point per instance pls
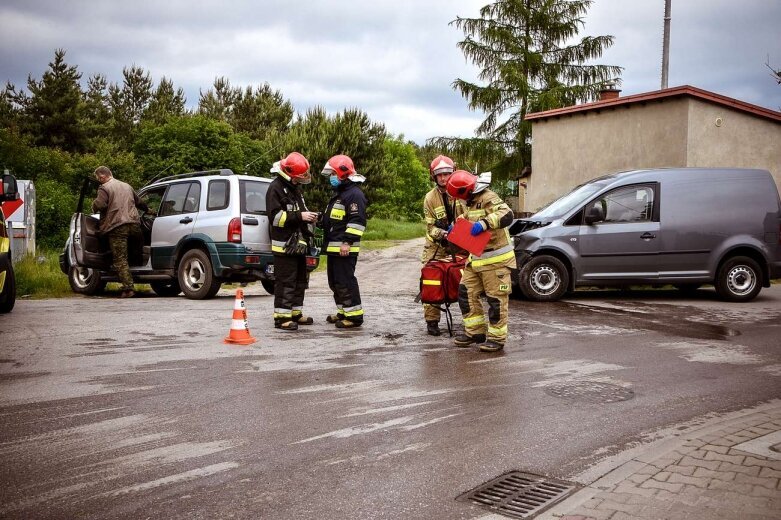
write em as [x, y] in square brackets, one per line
[334, 180]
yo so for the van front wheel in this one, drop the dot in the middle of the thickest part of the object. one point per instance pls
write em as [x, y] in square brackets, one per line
[739, 279]
[543, 279]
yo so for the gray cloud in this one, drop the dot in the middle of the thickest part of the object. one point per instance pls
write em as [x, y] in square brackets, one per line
[394, 59]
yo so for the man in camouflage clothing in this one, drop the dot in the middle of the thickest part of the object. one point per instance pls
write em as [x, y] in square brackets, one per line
[119, 221]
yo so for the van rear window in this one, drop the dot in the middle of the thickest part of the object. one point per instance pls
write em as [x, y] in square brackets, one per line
[253, 197]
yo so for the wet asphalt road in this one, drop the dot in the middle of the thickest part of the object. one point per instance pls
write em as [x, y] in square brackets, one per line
[135, 408]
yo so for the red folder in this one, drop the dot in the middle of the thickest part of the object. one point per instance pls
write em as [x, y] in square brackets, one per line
[461, 235]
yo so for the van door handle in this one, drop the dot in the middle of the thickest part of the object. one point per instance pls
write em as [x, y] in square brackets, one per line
[186, 220]
[250, 221]
[647, 236]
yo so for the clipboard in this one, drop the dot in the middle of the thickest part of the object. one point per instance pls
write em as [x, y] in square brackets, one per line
[461, 235]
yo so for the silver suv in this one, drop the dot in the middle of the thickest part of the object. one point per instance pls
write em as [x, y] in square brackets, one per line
[202, 229]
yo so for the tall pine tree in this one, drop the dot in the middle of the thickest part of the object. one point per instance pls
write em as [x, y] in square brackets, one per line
[529, 60]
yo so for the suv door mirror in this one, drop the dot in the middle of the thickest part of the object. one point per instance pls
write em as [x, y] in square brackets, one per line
[9, 190]
[594, 214]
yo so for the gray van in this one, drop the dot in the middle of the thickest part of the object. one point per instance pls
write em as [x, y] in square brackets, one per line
[681, 226]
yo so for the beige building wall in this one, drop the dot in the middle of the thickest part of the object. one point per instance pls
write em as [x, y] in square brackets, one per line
[721, 136]
[678, 132]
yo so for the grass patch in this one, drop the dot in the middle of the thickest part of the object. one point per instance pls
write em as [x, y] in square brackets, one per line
[40, 276]
[386, 229]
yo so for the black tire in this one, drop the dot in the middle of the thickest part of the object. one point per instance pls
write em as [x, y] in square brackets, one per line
[196, 277]
[84, 280]
[543, 279]
[8, 294]
[166, 289]
[688, 288]
[268, 285]
[739, 279]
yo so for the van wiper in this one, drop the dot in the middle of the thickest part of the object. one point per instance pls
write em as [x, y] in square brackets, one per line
[521, 225]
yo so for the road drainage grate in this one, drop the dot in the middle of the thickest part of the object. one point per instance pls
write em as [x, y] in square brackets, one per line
[519, 495]
[590, 392]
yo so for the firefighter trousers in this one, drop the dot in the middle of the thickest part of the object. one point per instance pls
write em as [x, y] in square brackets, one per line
[290, 283]
[496, 286]
[344, 285]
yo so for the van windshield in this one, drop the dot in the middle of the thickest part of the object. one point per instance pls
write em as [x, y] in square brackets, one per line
[571, 200]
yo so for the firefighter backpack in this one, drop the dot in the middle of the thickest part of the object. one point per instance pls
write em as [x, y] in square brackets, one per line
[439, 280]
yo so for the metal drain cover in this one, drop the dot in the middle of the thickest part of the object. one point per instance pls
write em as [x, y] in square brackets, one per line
[519, 495]
[590, 391]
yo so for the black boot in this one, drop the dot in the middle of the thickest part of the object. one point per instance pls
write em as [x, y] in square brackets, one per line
[491, 346]
[286, 324]
[432, 327]
[464, 340]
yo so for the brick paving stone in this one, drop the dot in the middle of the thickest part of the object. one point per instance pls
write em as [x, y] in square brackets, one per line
[662, 476]
[701, 483]
[734, 459]
[683, 470]
[575, 517]
[739, 468]
[596, 514]
[744, 489]
[754, 461]
[718, 449]
[638, 479]
[723, 441]
[759, 430]
[654, 484]
[629, 488]
[769, 472]
[610, 504]
[694, 443]
[647, 470]
[738, 438]
[697, 454]
[726, 476]
[771, 483]
[762, 491]
[699, 463]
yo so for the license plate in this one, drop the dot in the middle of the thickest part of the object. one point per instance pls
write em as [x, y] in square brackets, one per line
[270, 269]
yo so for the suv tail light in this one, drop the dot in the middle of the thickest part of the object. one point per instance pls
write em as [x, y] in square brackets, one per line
[234, 230]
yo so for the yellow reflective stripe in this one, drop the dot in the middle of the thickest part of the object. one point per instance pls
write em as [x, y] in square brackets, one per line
[493, 219]
[359, 312]
[354, 231]
[277, 249]
[497, 331]
[440, 212]
[337, 214]
[476, 213]
[493, 259]
[5, 244]
[428, 237]
[283, 219]
[335, 249]
[430, 220]
[432, 282]
[474, 320]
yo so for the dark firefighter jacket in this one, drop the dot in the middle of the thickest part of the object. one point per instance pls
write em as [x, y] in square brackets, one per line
[284, 204]
[344, 219]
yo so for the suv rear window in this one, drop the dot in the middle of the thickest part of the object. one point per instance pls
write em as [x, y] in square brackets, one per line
[219, 192]
[253, 197]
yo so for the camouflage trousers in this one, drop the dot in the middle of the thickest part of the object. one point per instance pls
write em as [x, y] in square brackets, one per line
[117, 240]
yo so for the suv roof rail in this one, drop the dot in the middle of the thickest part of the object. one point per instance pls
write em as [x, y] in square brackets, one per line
[223, 171]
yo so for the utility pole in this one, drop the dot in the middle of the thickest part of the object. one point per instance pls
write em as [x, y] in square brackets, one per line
[666, 44]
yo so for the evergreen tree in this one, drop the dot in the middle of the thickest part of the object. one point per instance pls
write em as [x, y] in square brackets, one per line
[51, 113]
[166, 102]
[217, 103]
[95, 113]
[530, 60]
[129, 102]
[261, 112]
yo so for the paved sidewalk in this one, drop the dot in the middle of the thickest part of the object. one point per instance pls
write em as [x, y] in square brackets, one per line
[726, 468]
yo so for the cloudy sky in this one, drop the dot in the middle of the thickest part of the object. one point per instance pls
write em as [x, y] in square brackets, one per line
[395, 59]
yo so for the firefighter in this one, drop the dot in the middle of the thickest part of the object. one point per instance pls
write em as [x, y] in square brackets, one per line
[344, 222]
[289, 221]
[488, 273]
[440, 211]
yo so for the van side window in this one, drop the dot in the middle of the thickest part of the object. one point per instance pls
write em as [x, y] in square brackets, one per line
[218, 195]
[628, 204]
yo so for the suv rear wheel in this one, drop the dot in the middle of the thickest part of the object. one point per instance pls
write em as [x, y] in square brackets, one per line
[196, 277]
[544, 278]
[268, 285]
[84, 280]
[739, 279]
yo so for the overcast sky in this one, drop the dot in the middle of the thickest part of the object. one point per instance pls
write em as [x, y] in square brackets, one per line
[395, 59]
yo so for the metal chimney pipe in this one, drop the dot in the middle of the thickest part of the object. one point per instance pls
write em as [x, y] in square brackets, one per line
[666, 44]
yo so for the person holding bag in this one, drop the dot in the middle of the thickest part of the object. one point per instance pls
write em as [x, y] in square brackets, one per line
[289, 221]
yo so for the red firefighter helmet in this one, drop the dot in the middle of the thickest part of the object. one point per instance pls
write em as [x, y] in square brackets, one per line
[461, 184]
[441, 164]
[295, 166]
[343, 167]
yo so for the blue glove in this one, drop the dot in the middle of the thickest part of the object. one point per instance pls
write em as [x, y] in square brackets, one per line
[477, 228]
[450, 228]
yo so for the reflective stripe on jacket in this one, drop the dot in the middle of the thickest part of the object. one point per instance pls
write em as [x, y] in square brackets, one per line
[489, 208]
[284, 204]
[437, 222]
[344, 219]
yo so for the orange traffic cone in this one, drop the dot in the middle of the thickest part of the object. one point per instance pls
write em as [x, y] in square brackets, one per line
[239, 333]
